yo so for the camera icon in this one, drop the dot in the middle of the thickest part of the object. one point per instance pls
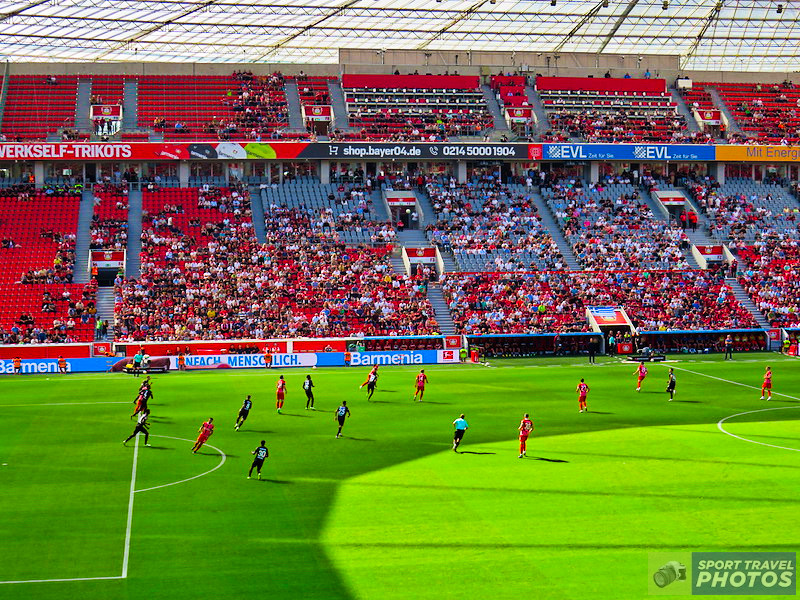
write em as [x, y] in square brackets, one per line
[672, 571]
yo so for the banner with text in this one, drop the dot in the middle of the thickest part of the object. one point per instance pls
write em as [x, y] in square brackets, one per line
[628, 152]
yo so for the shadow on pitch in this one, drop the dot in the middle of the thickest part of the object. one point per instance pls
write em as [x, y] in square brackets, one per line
[688, 401]
[276, 481]
[432, 402]
[471, 452]
[355, 439]
[553, 460]
[295, 415]
[160, 448]
[599, 412]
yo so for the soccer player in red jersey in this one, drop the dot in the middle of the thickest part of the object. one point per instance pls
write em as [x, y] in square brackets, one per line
[767, 385]
[582, 390]
[641, 373]
[525, 428]
[280, 393]
[373, 371]
[419, 385]
[206, 429]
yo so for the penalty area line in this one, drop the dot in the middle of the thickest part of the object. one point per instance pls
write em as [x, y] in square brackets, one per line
[127, 547]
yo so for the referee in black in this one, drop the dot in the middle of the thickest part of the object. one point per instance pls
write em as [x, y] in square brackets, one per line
[141, 427]
[260, 453]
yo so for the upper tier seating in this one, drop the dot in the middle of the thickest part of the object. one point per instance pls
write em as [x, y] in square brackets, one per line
[107, 89]
[237, 107]
[769, 113]
[313, 91]
[38, 105]
[610, 110]
[415, 107]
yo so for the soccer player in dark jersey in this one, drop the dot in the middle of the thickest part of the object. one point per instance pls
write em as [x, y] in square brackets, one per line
[145, 395]
[671, 384]
[260, 454]
[141, 427]
[419, 385]
[308, 388]
[341, 414]
[372, 381]
[243, 412]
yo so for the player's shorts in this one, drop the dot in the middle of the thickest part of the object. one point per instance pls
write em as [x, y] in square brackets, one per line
[582, 398]
[202, 438]
[258, 462]
[279, 395]
[767, 386]
[523, 438]
[341, 420]
[459, 433]
[641, 377]
[420, 388]
[136, 365]
[243, 413]
[671, 387]
[309, 393]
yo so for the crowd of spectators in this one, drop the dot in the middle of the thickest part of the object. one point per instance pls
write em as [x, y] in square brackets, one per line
[259, 105]
[487, 219]
[619, 125]
[613, 228]
[64, 318]
[557, 301]
[219, 283]
[738, 217]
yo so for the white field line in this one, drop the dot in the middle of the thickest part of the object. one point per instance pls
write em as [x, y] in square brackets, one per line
[744, 439]
[752, 387]
[158, 487]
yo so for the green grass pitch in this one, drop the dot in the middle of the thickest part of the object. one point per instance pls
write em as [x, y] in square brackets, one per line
[390, 511]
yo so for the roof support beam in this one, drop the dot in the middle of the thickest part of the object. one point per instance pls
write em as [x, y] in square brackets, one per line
[584, 20]
[338, 10]
[709, 20]
[460, 17]
[157, 27]
[631, 5]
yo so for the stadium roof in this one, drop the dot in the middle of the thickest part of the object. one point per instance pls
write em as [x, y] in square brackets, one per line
[731, 35]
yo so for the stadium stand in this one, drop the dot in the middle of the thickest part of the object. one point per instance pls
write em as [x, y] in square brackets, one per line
[241, 106]
[740, 209]
[109, 228]
[610, 110]
[216, 282]
[610, 227]
[768, 113]
[490, 227]
[39, 105]
[415, 107]
[557, 301]
[37, 254]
